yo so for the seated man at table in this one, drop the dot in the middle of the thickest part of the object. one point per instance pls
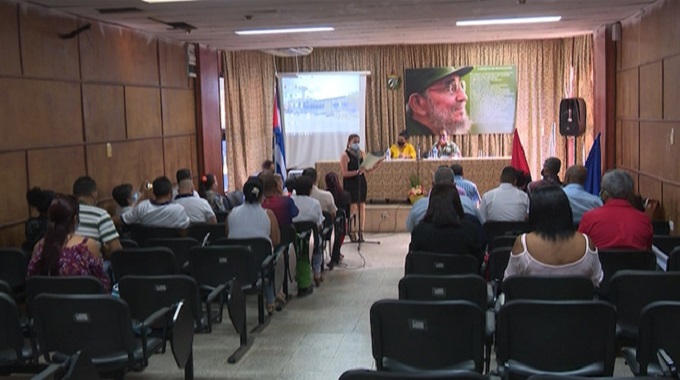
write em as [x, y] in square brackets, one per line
[444, 148]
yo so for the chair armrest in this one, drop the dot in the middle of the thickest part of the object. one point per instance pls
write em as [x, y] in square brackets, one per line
[216, 292]
[267, 262]
[156, 317]
[279, 251]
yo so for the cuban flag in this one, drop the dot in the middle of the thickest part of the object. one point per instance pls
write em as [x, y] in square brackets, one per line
[279, 151]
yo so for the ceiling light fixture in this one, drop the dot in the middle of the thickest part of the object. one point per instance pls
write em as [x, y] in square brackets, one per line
[284, 30]
[507, 21]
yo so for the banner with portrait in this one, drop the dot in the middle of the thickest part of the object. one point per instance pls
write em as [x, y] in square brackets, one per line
[460, 100]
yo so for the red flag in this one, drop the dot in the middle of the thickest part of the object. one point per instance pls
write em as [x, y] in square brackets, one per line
[519, 159]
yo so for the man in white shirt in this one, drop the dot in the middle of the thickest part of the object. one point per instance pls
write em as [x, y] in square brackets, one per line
[198, 209]
[506, 202]
[159, 212]
[324, 197]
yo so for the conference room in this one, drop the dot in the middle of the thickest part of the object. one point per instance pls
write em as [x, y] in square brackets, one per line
[128, 91]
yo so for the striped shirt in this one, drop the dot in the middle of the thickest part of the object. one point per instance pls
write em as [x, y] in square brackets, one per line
[96, 224]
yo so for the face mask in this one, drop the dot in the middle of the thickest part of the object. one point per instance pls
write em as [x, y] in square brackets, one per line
[401, 143]
[354, 146]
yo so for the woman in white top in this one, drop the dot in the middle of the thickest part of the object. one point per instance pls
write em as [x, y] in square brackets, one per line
[250, 220]
[554, 247]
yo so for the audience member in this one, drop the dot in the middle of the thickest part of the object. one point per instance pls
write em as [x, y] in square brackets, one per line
[180, 176]
[617, 224]
[467, 185]
[554, 248]
[342, 200]
[283, 207]
[208, 190]
[550, 174]
[580, 200]
[63, 252]
[324, 197]
[250, 220]
[124, 197]
[402, 149]
[198, 209]
[442, 230]
[35, 227]
[94, 222]
[310, 211]
[290, 185]
[506, 202]
[160, 211]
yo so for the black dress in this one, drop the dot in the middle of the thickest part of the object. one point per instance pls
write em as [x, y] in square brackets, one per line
[357, 184]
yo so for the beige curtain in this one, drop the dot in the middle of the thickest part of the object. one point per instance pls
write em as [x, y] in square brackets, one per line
[542, 73]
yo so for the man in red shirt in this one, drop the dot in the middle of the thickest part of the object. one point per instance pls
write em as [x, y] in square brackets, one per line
[617, 224]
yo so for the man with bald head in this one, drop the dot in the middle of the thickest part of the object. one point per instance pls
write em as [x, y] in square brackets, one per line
[580, 200]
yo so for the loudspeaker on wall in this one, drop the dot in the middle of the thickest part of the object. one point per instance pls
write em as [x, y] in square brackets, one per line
[572, 117]
[616, 31]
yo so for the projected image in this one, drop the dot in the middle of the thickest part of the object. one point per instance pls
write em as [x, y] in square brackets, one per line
[460, 100]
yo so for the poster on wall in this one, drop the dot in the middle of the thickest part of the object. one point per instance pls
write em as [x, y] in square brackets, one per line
[460, 100]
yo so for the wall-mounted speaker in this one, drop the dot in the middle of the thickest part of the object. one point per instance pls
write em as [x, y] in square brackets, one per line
[572, 117]
[616, 31]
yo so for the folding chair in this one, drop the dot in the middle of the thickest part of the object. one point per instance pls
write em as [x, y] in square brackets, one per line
[141, 234]
[128, 243]
[199, 231]
[666, 243]
[77, 367]
[417, 336]
[496, 228]
[544, 288]
[13, 267]
[614, 260]
[673, 264]
[13, 353]
[179, 246]
[440, 264]
[365, 374]
[152, 261]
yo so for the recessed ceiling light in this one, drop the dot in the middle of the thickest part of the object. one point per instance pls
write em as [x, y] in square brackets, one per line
[284, 30]
[506, 21]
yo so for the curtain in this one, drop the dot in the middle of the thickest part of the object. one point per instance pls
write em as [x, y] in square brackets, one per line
[542, 74]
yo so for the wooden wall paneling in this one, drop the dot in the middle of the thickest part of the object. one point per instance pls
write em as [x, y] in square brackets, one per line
[12, 235]
[10, 59]
[209, 130]
[671, 205]
[179, 112]
[36, 113]
[651, 91]
[56, 168]
[13, 202]
[619, 143]
[630, 43]
[659, 31]
[110, 53]
[178, 152]
[143, 112]
[630, 144]
[627, 93]
[103, 113]
[173, 64]
[132, 162]
[671, 83]
[649, 187]
[44, 53]
[657, 156]
[195, 170]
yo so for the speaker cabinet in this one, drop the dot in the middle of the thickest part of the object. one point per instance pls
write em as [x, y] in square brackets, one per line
[572, 117]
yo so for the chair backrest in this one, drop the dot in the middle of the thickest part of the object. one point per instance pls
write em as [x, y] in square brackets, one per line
[505, 241]
[152, 261]
[147, 294]
[179, 246]
[673, 263]
[365, 374]
[13, 266]
[141, 233]
[557, 336]
[440, 264]
[496, 228]
[614, 260]
[553, 288]
[128, 243]
[327, 226]
[661, 227]
[99, 325]
[630, 291]
[659, 329]
[498, 262]
[5, 288]
[302, 227]
[666, 243]
[465, 287]
[221, 216]
[199, 231]
[217, 265]
[414, 336]
[11, 338]
[36, 285]
[261, 248]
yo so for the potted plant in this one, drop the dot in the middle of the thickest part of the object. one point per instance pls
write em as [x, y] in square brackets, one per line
[415, 191]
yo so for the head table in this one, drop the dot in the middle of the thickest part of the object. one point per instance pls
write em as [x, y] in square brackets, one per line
[390, 182]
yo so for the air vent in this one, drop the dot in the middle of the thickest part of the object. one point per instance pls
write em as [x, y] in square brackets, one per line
[109, 11]
[176, 25]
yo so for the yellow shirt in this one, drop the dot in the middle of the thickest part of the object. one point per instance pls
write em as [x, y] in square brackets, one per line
[407, 152]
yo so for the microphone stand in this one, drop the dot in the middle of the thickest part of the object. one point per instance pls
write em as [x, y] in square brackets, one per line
[360, 239]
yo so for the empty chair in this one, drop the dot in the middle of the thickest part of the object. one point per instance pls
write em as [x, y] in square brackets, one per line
[659, 329]
[673, 263]
[141, 234]
[208, 232]
[554, 288]
[12, 349]
[128, 243]
[666, 243]
[417, 336]
[99, 325]
[365, 374]
[179, 246]
[502, 241]
[614, 260]
[630, 291]
[13, 267]
[661, 227]
[440, 264]
[566, 338]
[497, 228]
[152, 261]
[36, 285]
[498, 262]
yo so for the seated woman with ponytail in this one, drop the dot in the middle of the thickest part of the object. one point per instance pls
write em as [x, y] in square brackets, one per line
[63, 253]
